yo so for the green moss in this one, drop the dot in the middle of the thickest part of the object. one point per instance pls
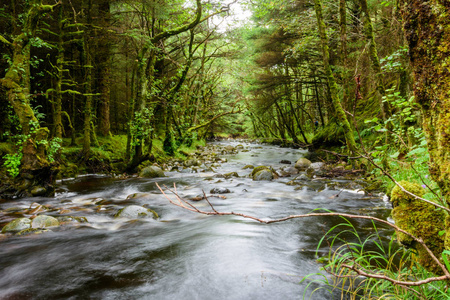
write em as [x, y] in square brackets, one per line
[257, 169]
[422, 220]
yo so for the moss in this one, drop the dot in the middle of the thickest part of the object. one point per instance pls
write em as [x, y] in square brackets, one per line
[422, 220]
[257, 169]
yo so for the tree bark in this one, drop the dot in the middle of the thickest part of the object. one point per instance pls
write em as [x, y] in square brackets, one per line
[427, 28]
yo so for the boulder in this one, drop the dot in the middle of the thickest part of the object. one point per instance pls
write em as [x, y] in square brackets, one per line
[263, 174]
[136, 212]
[43, 221]
[17, 225]
[38, 191]
[152, 172]
[303, 164]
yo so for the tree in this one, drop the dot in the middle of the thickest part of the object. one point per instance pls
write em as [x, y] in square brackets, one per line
[427, 29]
[34, 164]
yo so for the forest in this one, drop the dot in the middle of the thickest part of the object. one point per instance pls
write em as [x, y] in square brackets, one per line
[114, 86]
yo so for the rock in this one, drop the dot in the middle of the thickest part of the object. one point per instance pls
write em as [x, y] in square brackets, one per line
[17, 225]
[302, 164]
[32, 231]
[71, 219]
[43, 221]
[284, 161]
[229, 148]
[231, 174]
[138, 196]
[220, 191]
[136, 212]
[152, 172]
[264, 174]
[291, 170]
[248, 167]
[422, 220]
[38, 191]
[191, 162]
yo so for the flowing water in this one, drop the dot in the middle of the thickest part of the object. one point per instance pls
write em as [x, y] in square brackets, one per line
[182, 255]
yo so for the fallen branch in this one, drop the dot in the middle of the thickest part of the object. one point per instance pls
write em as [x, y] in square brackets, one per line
[180, 202]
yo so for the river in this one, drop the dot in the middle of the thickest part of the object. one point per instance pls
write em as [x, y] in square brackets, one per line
[182, 255]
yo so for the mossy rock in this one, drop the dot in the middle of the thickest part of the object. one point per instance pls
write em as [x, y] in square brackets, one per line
[422, 220]
[17, 225]
[71, 219]
[231, 174]
[258, 169]
[264, 174]
[43, 221]
[136, 212]
[32, 231]
[152, 172]
[303, 164]
[248, 167]
[399, 197]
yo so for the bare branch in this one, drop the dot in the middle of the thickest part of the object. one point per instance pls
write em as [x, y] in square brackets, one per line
[188, 206]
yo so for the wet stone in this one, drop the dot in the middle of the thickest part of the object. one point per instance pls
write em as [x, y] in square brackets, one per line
[262, 175]
[136, 212]
[220, 191]
[17, 225]
[302, 164]
[43, 221]
[151, 172]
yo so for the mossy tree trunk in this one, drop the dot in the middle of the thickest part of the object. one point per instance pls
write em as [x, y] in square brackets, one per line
[348, 131]
[376, 66]
[35, 170]
[427, 28]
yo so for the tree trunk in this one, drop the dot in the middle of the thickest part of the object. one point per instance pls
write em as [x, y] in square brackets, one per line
[35, 168]
[348, 131]
[427, 28]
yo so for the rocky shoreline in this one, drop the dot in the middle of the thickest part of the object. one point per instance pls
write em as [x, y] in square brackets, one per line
[37, 218]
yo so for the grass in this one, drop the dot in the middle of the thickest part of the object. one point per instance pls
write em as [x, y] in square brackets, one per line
[373, 254]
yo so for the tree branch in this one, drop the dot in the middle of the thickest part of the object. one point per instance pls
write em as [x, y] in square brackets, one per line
[188, 206]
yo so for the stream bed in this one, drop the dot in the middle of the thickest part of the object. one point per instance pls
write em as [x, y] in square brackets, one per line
[182, 255]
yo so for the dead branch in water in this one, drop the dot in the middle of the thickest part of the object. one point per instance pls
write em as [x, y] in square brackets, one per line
[180, 202]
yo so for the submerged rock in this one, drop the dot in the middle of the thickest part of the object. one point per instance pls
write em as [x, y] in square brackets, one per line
[231, 174]
[32, 231]
[152, 172]
[136, 212]
[303, 164]
[43, 221]
[17, 225]
[220, 191]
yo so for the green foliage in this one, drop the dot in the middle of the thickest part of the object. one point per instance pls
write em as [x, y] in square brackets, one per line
[141, 127]
[393, 62]
[54, 147]
[12, 163]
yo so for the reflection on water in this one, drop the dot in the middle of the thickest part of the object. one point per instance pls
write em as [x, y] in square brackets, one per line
[182, 255]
